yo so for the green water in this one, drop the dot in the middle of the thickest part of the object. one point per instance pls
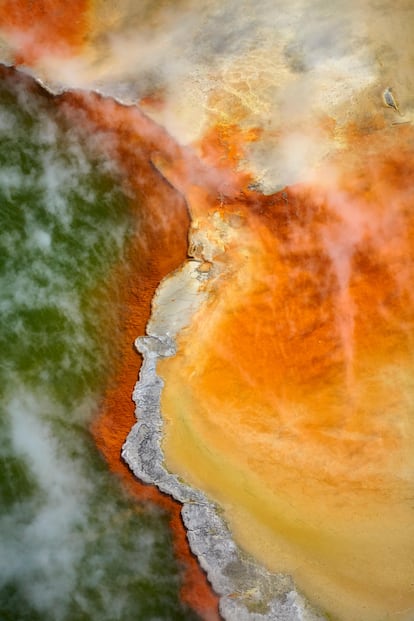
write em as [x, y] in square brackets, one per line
[72, 546]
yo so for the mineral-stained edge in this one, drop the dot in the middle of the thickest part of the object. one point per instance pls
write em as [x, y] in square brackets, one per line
[248, 592]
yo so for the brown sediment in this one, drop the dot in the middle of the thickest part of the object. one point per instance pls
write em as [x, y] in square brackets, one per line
[157, 245]
[44, 27]
[289, 401]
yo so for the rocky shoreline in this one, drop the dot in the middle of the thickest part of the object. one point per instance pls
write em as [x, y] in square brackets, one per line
[248, 592]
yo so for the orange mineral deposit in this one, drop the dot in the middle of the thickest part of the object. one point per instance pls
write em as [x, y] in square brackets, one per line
[290, 400]
[157, 245]
[44, 27]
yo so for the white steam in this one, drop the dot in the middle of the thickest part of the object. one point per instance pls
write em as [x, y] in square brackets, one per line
[44, 551]
[282, 67]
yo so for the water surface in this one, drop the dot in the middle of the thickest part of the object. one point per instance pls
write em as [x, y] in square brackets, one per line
[74, 547]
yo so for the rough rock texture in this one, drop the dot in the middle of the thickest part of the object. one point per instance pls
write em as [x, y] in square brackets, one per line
[248, 591]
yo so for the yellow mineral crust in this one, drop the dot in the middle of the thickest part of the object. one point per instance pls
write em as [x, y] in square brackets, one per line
[290, 400]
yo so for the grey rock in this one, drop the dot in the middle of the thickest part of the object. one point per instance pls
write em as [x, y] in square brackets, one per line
[248, 592]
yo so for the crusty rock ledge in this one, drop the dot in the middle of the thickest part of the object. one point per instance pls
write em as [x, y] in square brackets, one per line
[247, 591]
